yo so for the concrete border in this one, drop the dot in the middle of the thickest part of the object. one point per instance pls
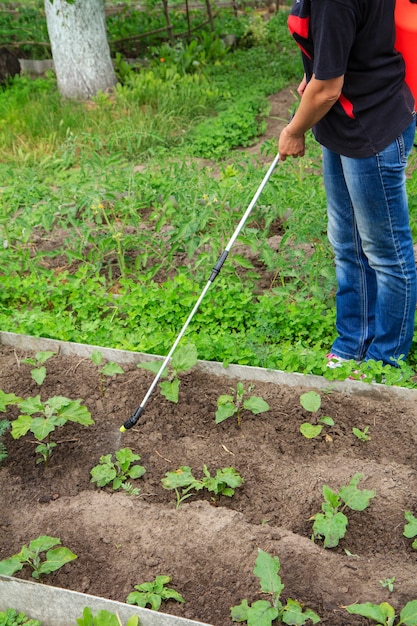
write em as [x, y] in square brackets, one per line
[243, 372]
[54, 606]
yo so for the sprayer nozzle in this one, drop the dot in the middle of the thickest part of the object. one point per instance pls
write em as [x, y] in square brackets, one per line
[132, 420]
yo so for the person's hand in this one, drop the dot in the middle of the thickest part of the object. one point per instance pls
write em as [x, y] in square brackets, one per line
[290, 144]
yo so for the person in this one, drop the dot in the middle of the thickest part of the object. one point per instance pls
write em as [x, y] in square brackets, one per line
[354, 98]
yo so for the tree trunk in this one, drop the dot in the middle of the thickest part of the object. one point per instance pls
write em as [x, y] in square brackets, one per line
[81, 54]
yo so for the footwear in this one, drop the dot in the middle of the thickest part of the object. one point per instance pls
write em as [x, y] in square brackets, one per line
[334, 361]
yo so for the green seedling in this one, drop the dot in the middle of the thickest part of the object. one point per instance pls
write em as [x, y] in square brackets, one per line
[384, 614]
[183, 482]
[152, 593]
[362, 435]
[388, 583]
[229, 405]
[265, 612]
[4, 427]
[10, 617]
[332, 523]
[410, 529]
[6, 399]
[38, 373]
[182, 360]
[104, 618]
[105, 369]
[31, 555]
[311, 401]
[42, 418]
[118, 471]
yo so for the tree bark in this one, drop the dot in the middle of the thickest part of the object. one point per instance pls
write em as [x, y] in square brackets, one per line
[80, 50]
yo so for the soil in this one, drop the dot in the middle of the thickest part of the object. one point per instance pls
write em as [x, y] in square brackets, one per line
[209, 548]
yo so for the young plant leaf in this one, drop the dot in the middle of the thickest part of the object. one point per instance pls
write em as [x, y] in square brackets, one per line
[110, 369]
[182, 477]
[310, 431]
[331, 498]
[408, 615]
[104, 472]
[380, 613]
[266, 569]
[153, 593]
[170, 390]
[256, 405]
[21, 426]
[410, 529]
[41, 427]
[154, 367]
[224, 411]
[105, 618]
[294, 615]
[355, 498]
[311, 401]
[107, 471]
[55, 559]
[260, 613]
[97, 357]
[326, 419]
[6, 399]
[74, 411]
[331, 526]
[10, 566]
[362, 435]
[39, 374]
[184, 358]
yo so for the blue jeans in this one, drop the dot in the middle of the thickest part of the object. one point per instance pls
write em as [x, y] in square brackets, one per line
[368, 227]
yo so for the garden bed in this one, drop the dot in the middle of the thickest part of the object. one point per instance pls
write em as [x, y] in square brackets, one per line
[208, 549]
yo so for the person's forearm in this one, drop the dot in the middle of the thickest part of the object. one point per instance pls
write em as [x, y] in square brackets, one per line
[318, 98]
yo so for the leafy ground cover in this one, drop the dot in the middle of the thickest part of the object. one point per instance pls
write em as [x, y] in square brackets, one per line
[208, 545]
[113, 212]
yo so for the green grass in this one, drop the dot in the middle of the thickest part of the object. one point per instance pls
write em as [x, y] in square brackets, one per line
[113, 212]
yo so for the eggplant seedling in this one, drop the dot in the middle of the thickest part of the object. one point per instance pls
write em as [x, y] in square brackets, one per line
[362, 435]
[311, 401]
[388, 583]
[183, 482]
[331, 524]
[4, 427]
[6, 399]
[104, 618]
[152, 593]
[384, 614]
[105, 369]
[31, 555]
[265, 612]
[182, 360]
[117, 472]
[229, 405]
[49, 415]
[410, 529]
[38, 373]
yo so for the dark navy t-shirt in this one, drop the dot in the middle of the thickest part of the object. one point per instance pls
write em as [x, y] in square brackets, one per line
[355, 39]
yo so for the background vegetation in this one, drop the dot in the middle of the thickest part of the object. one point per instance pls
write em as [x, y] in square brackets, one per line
[114, 211]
